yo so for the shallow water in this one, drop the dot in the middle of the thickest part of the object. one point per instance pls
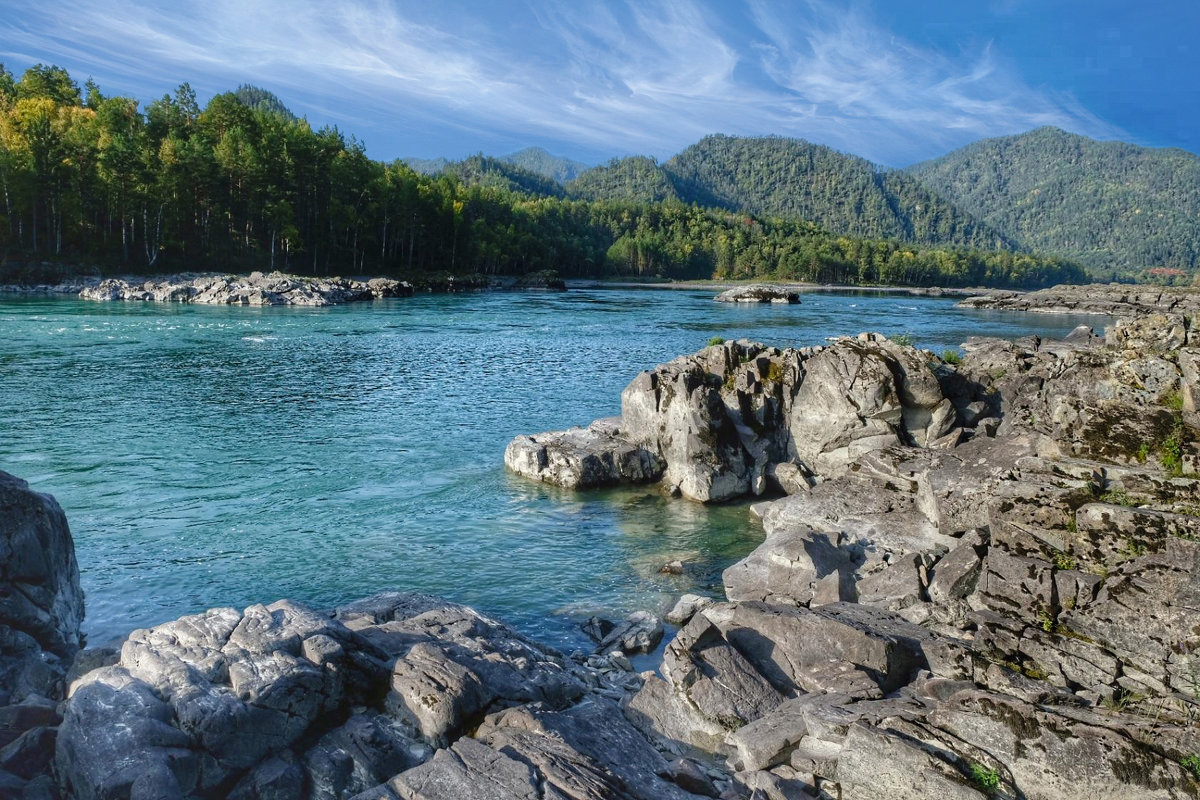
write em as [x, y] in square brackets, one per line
[223, 456]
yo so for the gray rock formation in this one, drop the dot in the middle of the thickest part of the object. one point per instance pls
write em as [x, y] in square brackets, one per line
[41, 603]
[1115, 300]
[41, 608]
[758, 293]
[256, 289]
[398, 695]
[743, 419]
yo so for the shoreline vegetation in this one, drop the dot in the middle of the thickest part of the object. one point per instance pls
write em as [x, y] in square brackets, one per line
[242, 186]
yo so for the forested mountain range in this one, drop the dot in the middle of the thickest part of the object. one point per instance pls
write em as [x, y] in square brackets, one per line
[1115, 207]
[241, 184]
[535, 160]
[1122, 210]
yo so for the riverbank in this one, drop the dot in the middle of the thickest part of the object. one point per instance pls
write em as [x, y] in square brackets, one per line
[1113, 299]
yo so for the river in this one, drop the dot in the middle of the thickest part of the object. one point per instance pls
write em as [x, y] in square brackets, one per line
[213, 456]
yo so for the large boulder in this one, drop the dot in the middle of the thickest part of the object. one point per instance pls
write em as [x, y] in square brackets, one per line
[218, 702]
[740, 418]
[41, 602]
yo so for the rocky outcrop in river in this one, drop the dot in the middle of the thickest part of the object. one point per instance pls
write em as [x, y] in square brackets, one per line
[758, 293]
[740, 418]
[256, 289]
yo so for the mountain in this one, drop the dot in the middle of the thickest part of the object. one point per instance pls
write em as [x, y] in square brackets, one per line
[427, 166]
[775, 176]
[536, 159]
[636, 179]
[500, 174]
[1115, 207]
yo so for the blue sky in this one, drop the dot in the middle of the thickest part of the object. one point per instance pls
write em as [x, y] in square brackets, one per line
[895, 81]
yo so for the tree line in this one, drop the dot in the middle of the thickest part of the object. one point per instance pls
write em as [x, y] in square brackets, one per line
[243, 184]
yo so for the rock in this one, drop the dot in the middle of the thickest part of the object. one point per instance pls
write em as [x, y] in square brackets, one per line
[468, 770]
[587, 751]
[1049, 755]
[686, 607]
[739, 418]
[195, 703]
[640, 632]
[758, 293]
[598, 628]
[41, 602]
[255, 289]
[1117, 300]
[876, 764]
[583, 458]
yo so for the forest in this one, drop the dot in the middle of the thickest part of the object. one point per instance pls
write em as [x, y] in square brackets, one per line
[240, 184]
[1121, 210]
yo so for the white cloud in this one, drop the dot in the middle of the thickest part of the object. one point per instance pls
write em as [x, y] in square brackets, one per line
[649, 76]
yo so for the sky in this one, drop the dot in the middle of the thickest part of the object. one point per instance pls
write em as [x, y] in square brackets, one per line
[895, 81]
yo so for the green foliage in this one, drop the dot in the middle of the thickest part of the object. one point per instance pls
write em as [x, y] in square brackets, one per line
[775, 176]
[51, 83]
[716, 340]
[540, 162]
[775, 372]
[262, 100]
[951, 357]
[1115, 207]
[1064, 560]
[637, 179]
[903, 339]
[1191, 763]
[1117, 497]
[495, 173]
[986, 779]
[1170, 452]
[1173, 401]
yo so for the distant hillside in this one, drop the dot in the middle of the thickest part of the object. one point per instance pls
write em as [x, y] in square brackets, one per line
[535, 159]
[790, 178]
[636, 179]
[1113, 206]
[499, 174]
[427, 166]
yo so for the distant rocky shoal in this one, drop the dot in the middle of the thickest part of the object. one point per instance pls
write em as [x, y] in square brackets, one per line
[758, 293]
[277, 289]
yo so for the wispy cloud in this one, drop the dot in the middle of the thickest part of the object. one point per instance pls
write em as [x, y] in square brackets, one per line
[649, 76]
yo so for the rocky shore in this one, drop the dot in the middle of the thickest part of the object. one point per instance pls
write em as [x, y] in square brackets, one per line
[978, 580]
[1114, 300]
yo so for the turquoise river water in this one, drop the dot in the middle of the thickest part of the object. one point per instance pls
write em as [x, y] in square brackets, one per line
[224, 456]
